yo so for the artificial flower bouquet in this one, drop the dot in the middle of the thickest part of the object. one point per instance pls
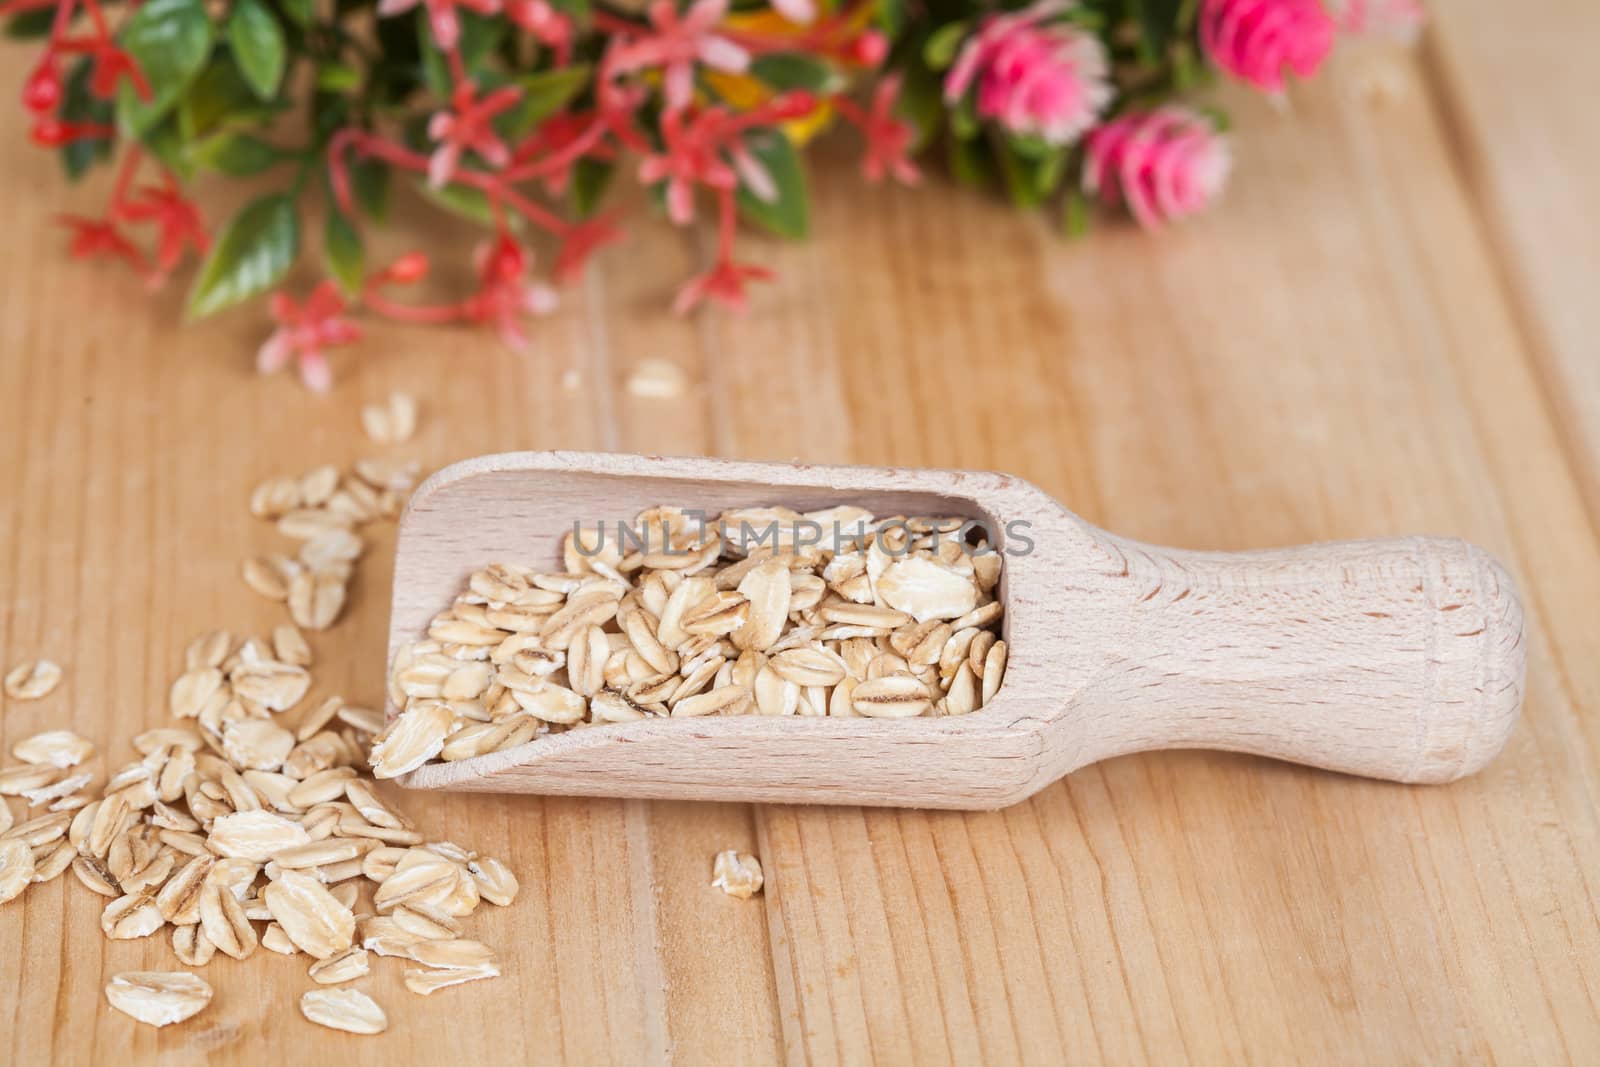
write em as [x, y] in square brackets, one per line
[519, 115]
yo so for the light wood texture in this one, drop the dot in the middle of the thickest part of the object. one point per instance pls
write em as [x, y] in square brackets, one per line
[1334, 353]
[1523, 89]
[1400, 659]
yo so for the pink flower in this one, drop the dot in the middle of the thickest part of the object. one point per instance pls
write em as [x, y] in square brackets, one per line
[889, 138]
[1258, 41]
[1034, 78]
[304, 331]
[678, 44]
[504, 293]
[723, 283]
[442, 17]
[468, 126]
[1163, 164]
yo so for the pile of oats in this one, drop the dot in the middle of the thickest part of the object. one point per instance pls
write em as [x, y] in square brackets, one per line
[677, 617]
[323, 509]
[240, 832]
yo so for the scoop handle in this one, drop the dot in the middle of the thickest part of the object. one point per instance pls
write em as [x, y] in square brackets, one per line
[1401, 659]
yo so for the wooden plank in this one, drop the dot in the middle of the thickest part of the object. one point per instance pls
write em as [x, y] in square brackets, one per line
[1518, 88]
[1331, 354]
[127, 457]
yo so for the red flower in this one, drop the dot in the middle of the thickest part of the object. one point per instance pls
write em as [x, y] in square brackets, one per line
[468, 126]
[51, 132]
[679, 42]
[177, 220]
[889, 138]
[581, 241]
[111, 65]
[304, 331]
[566, 134]
[100, 237]
[504, 293]
[42, 91]
[689, 156]
[442, 17]
[723, 283]
[549, 27]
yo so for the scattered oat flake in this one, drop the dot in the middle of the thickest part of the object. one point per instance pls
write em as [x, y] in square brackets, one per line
[344, 1009]
[737, 874]
[55, 748]
[16, 867]
[56, 790]
[32, 679]
[657, 379]
[159, 998]
[347, 966]
[392, 422]
[425, 981]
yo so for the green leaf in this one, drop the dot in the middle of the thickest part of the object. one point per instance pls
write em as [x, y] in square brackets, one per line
[1030, 145]
[170, 40]
[590, 179]
[237, 155]
[921, 102]
[369, 180]
[890, 16]
[578, 10]
[31, 25]
[1075, 214]
[346, 259]
[543, 95]
[251, 256]
[258, 46]
[789, 215]
[1157, 21]
[219, 97]
[334, 77]
[970, 161]
[298, 10]
[79, 104]
[940, 50]
[166, 142]
[1029, 179]
[464, 200]
[795, 70]
[964, 120]
[1047, 175]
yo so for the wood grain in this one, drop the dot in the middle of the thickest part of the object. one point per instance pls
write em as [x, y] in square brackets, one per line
[1519, 91]
[1335, 353]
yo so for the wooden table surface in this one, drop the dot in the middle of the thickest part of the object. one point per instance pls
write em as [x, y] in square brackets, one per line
[1388, 327]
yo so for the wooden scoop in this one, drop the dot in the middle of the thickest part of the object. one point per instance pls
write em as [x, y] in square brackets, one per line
[1400, 659]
